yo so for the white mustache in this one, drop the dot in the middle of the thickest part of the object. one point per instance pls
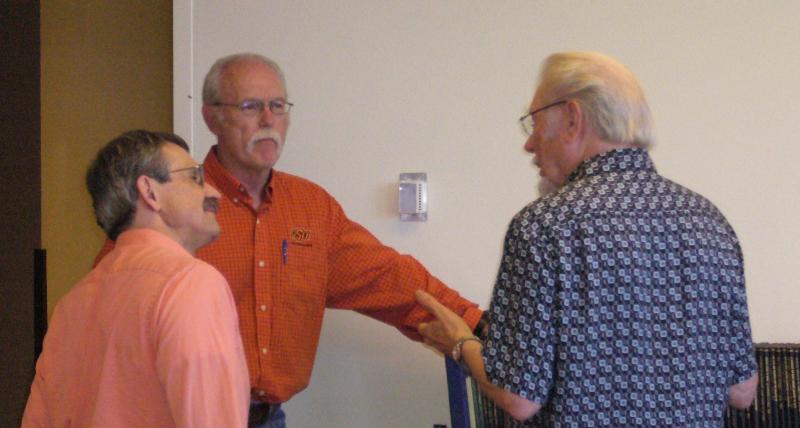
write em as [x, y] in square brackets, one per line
[265, 134]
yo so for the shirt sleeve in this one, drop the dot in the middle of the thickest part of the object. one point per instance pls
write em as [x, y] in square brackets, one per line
[519, 353]
[377, 281]
[200, 359]
[742, 358]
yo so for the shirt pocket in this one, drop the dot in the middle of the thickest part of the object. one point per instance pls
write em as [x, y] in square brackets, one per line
[304, 279]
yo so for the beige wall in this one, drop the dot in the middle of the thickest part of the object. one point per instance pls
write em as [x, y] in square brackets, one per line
[106, 68]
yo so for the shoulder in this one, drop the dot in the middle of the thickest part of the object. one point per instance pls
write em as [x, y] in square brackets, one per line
[303, 194]
[200, 277]
[635, 191]
[164, 265]
[199, 270]
[543, 213]
[685, 196]
[681, 198]
[296, 183]
[197, 290]
[156, 259]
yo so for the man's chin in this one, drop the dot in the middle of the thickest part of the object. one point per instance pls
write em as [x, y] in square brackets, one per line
[265, 160]
[260, 163]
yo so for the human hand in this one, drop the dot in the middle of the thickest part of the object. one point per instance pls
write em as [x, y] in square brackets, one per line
[446, 330]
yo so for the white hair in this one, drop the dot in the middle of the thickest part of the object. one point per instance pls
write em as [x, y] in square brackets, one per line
[610, 94]
[212, 80]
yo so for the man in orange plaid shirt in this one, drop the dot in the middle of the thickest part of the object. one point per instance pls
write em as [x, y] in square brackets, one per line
[287, 248]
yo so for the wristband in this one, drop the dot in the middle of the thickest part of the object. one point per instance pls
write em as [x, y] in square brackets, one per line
[457, 355]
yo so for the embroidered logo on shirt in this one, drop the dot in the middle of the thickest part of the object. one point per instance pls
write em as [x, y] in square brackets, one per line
[300, 235]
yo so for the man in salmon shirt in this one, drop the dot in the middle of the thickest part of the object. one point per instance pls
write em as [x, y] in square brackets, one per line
[287, 248]
[150, 337]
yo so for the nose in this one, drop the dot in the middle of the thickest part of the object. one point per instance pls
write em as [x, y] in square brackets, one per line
[266, 118]
[211, 191]
[530, 144]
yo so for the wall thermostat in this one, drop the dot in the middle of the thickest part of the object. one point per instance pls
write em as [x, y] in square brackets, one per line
[413, 196]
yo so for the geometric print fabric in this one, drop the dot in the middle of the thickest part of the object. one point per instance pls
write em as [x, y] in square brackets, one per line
[620, 301]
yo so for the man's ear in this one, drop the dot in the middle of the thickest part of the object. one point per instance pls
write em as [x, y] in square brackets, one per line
[211, 119]
[574, 121]
[149, 192]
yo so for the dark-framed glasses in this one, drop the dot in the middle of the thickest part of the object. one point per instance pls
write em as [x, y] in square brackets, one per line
[527, 121]
[256, 107]
[198, 176]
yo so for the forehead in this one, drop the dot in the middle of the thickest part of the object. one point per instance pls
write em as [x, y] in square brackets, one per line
[537, 100]
[175, 156]
[251, 79]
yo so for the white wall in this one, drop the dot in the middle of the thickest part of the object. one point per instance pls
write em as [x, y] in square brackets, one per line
[436, 86]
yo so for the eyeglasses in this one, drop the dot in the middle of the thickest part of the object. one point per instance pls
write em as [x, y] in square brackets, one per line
[256, 107]
[198, 175]
[527, 122]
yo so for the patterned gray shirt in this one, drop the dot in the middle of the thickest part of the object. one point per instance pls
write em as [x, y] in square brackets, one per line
[620, 301]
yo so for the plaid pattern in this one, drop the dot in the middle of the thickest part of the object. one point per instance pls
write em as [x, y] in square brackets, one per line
[281, 290]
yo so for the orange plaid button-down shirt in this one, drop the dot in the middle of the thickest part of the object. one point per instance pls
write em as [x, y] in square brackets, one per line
[293, 257]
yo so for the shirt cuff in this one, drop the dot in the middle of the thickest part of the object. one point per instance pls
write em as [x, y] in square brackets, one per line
[472, 316]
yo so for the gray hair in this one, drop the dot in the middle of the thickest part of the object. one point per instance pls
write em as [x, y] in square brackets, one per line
[111, 178]
[212, 80]
[608, 91]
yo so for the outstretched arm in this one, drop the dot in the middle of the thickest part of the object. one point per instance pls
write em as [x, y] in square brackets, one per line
[446, 332]
[375, 280]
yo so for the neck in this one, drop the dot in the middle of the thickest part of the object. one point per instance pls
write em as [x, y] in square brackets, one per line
[154, 222]
[598, 146]
[253, 180]
[589, 148]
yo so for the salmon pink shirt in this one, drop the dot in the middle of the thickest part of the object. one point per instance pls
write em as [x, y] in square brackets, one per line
[149, 338]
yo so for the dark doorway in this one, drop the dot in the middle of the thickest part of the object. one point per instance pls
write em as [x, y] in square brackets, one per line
[20, 201]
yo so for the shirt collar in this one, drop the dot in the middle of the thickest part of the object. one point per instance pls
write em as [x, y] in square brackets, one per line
[146, 236]
[226, 183]
[617, 160]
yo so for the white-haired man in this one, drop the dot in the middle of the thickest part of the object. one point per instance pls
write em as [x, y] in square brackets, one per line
[620, 299]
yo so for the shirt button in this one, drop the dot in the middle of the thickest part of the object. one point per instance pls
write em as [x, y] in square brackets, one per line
[261, 393]
[258, 221]
[263, 308]
[235, 200]
[261, 263]
[264, 351]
